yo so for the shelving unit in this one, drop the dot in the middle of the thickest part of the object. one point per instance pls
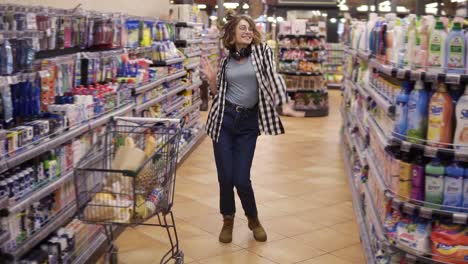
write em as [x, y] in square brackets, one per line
[333, 65]
[300, 59]
[379, 111]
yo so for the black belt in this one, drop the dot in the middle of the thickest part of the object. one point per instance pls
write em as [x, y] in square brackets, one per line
[239, 108]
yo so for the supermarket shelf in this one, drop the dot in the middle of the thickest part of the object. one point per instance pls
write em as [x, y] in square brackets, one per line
[41, 193]
[175, 91]
[359, 88]
[307, 60]
[192, 65]
[4, 237]
[175, 106]
[176, 75]
[303, 48]
[194, 54]
[184, 43]
[149, 86]
[45, 145]
[301, 36]
[364, 55]
[193, 122]
[194, 85]
[189, 109]
[4, 202]
[168, 62]
[335, 50]
[59, 220]
[364, 234]
[302, 73]
[385, 105]
[378, 223]
[383, 139]
[305, 90]
[405, 74]
[188, 24]
[334, 85]
[88, 253]
[144, 106]
[195, 140]
[332, 64]
[211, 41]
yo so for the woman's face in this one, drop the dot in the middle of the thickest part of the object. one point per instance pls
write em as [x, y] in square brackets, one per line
[244, 33]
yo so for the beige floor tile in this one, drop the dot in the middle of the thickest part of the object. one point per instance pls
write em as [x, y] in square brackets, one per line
[349, 227]
[212, 223]
[292, 205]
[238, 257]
[326, 259]
[327, 239]
[291, 226]
[205, 247]
[286, 251]
[321, 217]
[189, 210]
[353, 253]
[184, 231]
[132, 239]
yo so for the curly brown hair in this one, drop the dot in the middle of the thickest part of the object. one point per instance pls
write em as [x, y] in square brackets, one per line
[229, 30]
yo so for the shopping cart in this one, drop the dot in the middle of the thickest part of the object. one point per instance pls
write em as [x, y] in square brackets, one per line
[128, 177]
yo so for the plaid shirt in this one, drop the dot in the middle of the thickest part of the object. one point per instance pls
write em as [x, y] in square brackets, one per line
[271, 89]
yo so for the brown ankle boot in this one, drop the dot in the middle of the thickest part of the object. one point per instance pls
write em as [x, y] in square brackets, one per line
[257, 229]
[226, 232]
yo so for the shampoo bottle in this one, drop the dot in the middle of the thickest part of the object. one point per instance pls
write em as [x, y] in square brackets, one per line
[436, 59]
[417, 113]
[460, 139]
[453, 187]
[404, 188]
[434, 185]
[455, 59]
[418, 177]
[439, 131]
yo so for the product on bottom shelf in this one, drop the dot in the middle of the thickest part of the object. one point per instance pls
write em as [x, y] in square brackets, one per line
[450, 243]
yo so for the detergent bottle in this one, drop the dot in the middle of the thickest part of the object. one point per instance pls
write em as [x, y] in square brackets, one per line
[453, 187]
[417, 113]
[460, 139]
[439, 129]
[436, 59]
[455, 59]
[401, 111]
[434, 184]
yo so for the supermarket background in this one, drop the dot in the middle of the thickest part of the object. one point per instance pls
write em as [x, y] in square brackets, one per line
[374, 171]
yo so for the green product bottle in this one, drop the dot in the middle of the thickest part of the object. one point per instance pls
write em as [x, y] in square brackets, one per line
[434, 186]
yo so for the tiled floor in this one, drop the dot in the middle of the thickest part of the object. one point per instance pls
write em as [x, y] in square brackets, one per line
[302, 195]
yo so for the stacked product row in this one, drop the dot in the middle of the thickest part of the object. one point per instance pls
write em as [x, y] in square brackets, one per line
[57, 95]
[406, 127]
[334, 64]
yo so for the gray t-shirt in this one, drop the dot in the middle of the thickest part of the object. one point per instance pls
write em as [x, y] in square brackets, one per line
[242, 83]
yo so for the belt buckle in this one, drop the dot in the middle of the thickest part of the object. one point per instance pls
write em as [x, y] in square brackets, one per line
[238, 108]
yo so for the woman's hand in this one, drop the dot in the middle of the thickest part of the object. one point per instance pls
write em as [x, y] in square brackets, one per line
[210, 74]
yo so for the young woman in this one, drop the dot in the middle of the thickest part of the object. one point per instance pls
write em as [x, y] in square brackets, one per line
[247, 91]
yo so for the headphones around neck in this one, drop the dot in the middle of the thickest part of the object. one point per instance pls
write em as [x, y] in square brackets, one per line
[242, 53]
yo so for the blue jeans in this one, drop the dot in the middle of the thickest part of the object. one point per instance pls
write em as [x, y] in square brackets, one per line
[234, 153]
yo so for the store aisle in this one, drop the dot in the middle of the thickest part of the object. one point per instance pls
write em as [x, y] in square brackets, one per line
[302, 194]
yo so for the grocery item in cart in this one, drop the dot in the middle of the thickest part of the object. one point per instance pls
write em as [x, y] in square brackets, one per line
[450, 243]
[108, 207]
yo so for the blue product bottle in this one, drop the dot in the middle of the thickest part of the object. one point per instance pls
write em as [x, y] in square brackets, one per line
[417, 113]
[455, 50]
[401, 113]
[453, 187]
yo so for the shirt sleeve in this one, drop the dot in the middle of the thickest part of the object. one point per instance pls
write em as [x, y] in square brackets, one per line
[275, 79]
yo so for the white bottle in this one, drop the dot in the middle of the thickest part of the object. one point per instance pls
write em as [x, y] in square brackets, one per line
[436, 58]
[460, 139]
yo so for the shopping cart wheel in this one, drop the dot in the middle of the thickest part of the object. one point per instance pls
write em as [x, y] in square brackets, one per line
[179, 257]
[113, 255]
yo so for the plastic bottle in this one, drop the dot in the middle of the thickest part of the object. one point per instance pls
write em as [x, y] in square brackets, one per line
[466, 51]
[401, 113]
[390, 37]
[439, 131]
[436, 59]
[455, 44]
[403, 42]
[411, 42]
[396, 41]
[382, 42]
[417, 177]
[417, 113]
[460, 138]
[434, 185]
[420, 57]
[453, 187]
[404, 186]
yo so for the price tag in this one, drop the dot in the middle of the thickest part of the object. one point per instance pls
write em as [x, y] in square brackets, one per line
[431, 77]
[409, 208]
[461, 155]
[430, 151]
[44, 74]
[387, 70]
[415, 76]
[396, 203]
[460, 218]
[425, 212]
[401, 74]
[452, 78]
[10, 80]
[405, 146]
[3, 81]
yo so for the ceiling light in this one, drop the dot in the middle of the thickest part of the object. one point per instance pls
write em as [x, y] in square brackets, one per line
[342, 20]
[216, 6]
[435, 4]
[245, 6]
[362, 8]
[324, 14]
[224, 20]
[344, 8]
[213, 17]
[231, 5]
[385, 8]
[431, 10]
[444, 13]
[270, 19]
[402, 9]
[279, 19]
[333, 20]
[372, 8]
[385, 3]
[201, 6]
